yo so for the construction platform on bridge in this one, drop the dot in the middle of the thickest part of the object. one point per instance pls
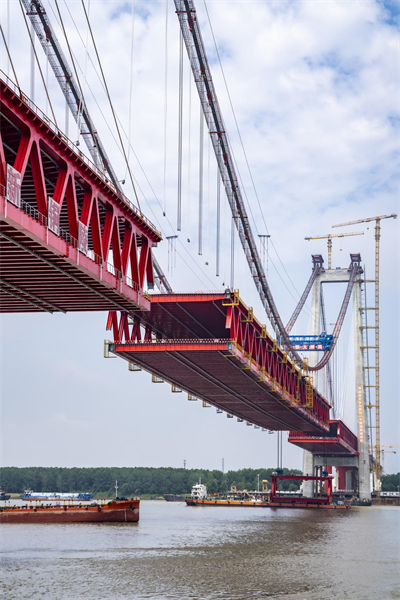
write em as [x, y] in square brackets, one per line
[211, 346]
[69, 241]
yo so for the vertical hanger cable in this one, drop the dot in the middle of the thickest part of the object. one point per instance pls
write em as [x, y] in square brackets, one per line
[201, 181]
[189, 148]
[180, 116]
[218, 222]
[165, 108]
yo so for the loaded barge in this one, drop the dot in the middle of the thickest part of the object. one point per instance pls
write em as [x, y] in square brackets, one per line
[120, 510]
[322, 498]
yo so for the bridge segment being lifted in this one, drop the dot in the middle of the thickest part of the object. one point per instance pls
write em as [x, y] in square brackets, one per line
[211, 346]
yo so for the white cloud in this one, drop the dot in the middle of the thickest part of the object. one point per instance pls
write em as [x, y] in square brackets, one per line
[315, 88]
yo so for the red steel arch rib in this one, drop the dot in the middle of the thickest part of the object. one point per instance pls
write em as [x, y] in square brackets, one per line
[68, 240]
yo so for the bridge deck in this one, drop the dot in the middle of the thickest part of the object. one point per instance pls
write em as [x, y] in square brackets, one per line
[216, 351]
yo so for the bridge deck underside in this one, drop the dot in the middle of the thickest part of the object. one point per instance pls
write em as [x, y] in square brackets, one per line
[205, 371]
[36, 276]
[324, 446]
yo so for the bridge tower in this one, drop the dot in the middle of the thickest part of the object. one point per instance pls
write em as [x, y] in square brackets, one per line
[344, 464]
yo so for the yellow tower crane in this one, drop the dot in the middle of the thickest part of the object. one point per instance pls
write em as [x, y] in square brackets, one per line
[376, 347]
[329, 237]
[383, 452]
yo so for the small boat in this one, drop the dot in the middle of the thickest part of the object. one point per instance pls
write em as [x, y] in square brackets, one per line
[174, 498]
[31, 496]
[120, 510]
[4, 496]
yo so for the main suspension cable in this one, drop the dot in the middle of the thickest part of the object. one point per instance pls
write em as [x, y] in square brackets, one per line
[38, 63]
[243, 148]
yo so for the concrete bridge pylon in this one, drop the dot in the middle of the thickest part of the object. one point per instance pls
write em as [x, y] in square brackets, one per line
[361, 462]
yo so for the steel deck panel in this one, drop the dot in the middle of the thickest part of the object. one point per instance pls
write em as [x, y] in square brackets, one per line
[217, 379]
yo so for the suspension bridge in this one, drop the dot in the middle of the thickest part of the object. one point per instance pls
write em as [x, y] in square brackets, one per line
[70, 240]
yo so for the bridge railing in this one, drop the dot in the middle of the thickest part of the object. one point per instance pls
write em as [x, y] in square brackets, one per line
[33, 212]
[56, 130]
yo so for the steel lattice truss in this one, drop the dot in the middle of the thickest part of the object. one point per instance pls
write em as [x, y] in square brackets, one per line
[59, 220]
[77, 105]
[213, 348]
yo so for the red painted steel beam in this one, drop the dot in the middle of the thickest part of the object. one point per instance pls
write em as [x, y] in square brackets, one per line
[64, 217]
[251, 349]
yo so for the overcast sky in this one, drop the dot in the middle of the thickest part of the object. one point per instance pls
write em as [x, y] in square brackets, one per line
[315, 89]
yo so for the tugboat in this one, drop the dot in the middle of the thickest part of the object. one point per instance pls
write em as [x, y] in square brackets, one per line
[4, 495]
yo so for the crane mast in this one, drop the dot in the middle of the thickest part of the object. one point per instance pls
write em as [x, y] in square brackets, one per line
[76, 103]
[376, 347]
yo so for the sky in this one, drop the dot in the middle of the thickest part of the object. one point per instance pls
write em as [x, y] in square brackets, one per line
[315, 91]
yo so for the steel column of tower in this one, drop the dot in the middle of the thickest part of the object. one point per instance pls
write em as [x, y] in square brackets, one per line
[376, 405]
[77, 105]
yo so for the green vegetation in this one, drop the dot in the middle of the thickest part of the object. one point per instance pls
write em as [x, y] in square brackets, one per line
[164, 480]
[391, 483]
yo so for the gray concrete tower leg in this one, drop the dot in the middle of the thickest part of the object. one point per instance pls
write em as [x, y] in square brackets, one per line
[363, 435]
[308, 460]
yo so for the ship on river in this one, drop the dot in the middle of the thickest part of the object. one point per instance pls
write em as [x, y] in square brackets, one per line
[120, 510]
[199, 497]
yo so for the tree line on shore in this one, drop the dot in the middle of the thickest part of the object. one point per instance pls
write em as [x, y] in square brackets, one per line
[145, 480]
[131, 480]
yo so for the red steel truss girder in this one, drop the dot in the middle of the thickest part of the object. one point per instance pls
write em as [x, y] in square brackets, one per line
[57, 282]
[203, 370]
[203, 318]
[130, 246]
[323, 446]
[341, 440]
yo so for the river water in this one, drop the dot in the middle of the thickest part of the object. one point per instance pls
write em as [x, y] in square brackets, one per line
[196, 553]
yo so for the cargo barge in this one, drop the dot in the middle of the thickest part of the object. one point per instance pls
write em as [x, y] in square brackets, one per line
[226, 502]
[120, 510]
[322, 500]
